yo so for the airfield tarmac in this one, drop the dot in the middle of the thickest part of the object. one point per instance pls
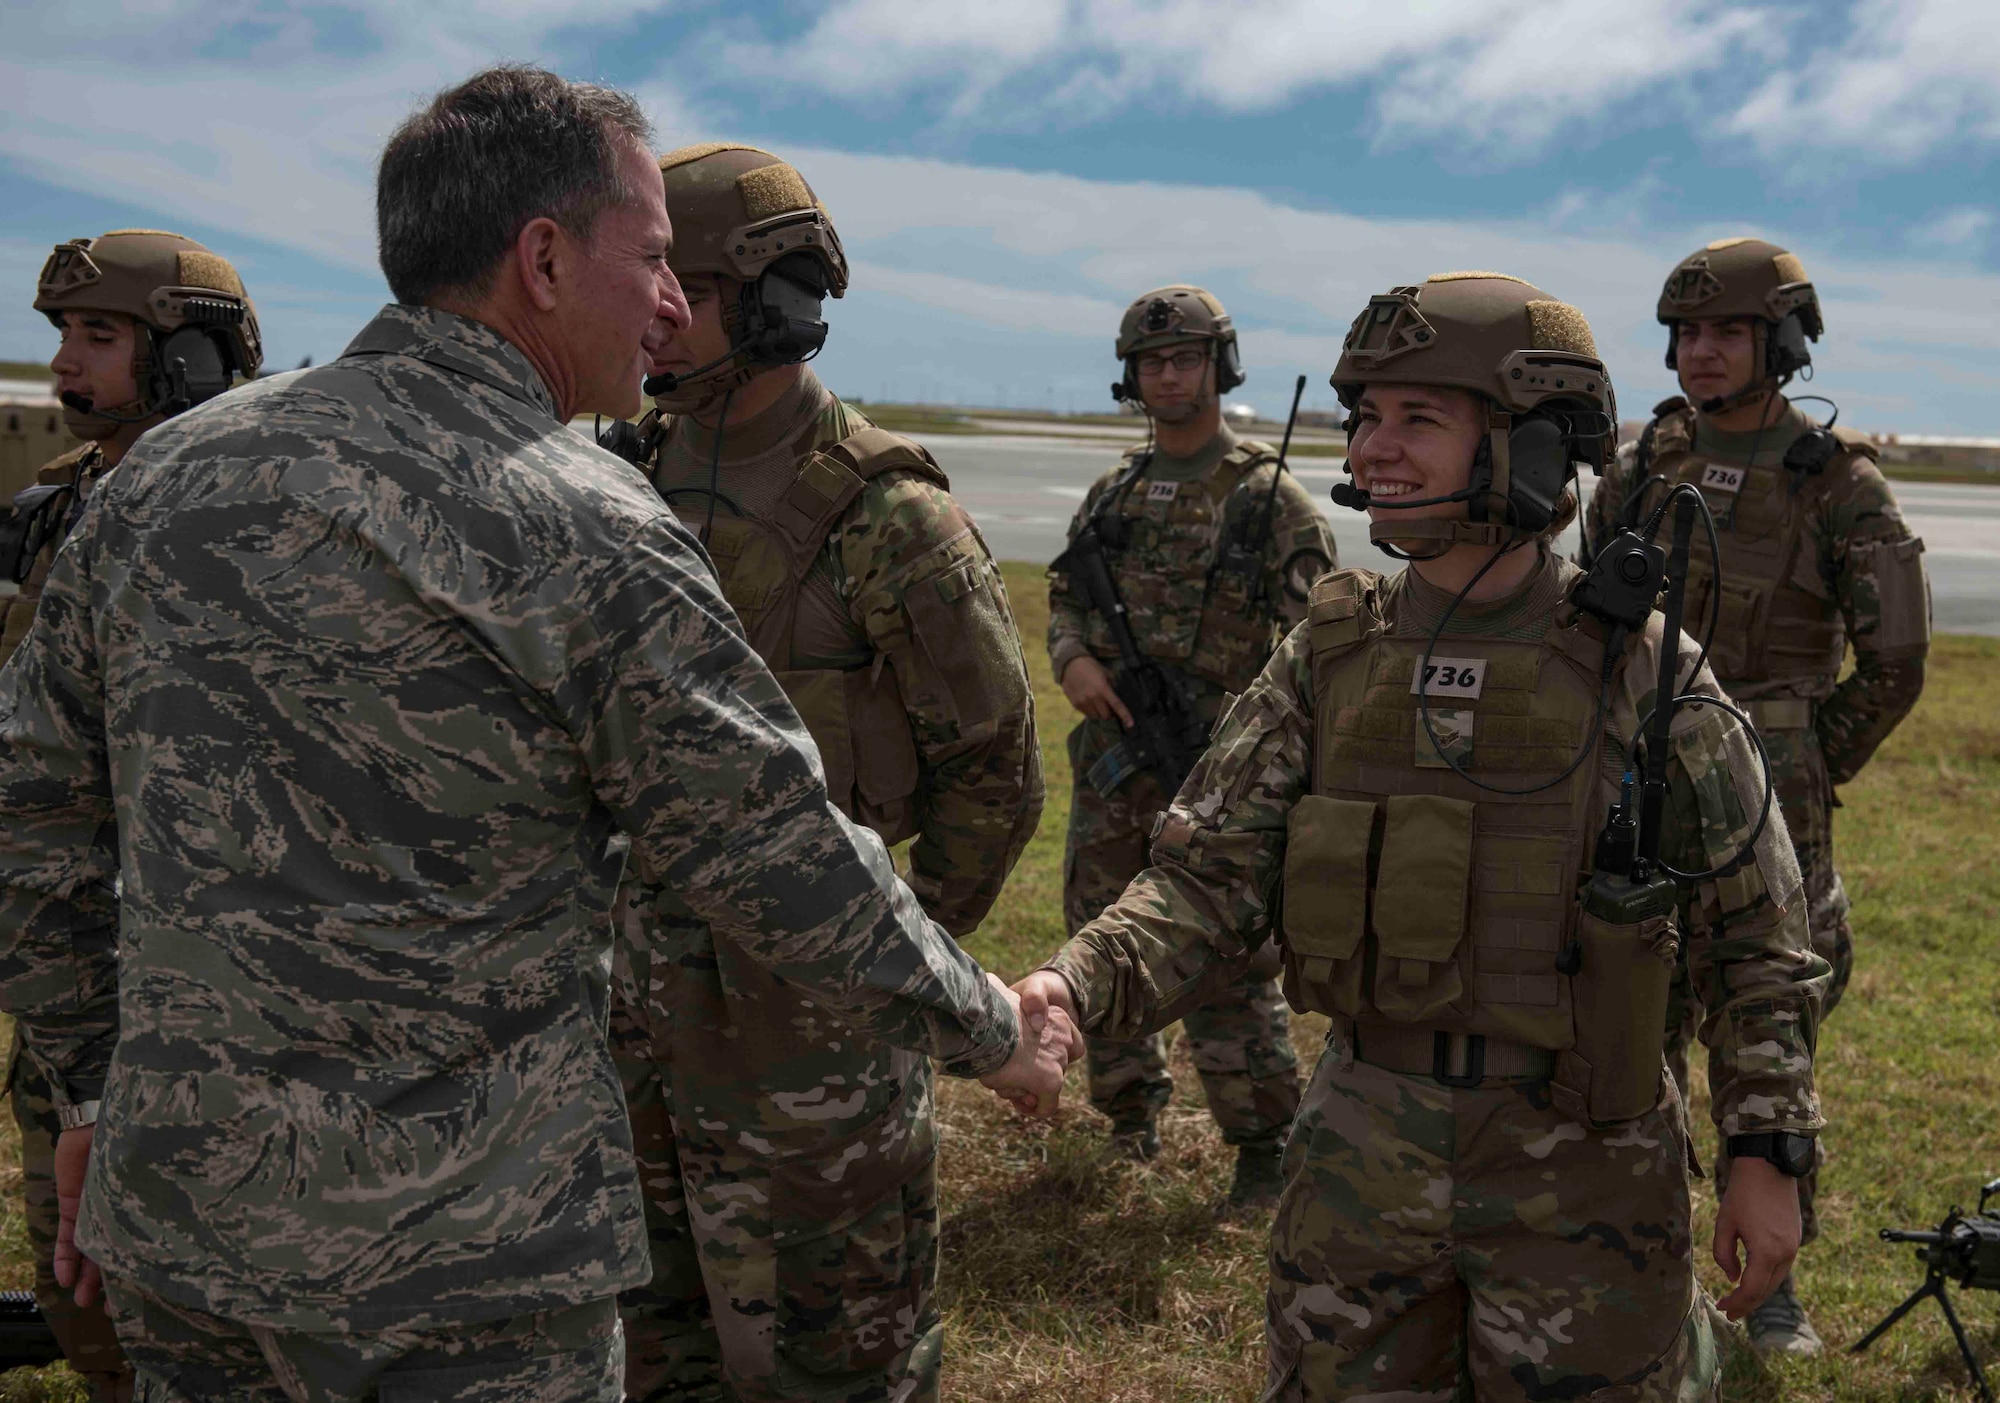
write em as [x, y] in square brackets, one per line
[1023, 491]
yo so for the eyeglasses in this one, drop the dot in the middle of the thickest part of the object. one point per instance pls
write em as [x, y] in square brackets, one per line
[1156, 364]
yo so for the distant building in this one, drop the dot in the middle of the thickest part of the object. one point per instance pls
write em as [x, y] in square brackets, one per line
[31, 433]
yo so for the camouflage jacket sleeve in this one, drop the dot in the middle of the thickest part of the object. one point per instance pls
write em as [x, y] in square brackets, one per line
[1068, 614]
[1198, 914]
[1875, 567]
[1753, 966]
[1301, 549]
[697, 753]
[922, 583]
[58, 911]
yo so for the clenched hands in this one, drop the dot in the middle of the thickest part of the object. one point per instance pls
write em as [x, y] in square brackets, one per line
[1050, 1040]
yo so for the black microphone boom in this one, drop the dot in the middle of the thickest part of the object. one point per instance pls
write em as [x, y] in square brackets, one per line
[667, 382]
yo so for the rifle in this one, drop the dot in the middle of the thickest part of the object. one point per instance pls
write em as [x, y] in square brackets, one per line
[25, 1337]
[1963, 1248]
[1167, 736]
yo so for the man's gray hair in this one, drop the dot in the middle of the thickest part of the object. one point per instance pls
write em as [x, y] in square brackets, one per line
[461, 177]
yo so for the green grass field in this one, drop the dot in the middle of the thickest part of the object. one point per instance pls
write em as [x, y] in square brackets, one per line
[1066, 1276]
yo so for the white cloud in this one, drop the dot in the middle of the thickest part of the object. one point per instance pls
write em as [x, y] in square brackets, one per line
[1909, 76]
[1504, 73]
[1025, 270]
[1963, 229]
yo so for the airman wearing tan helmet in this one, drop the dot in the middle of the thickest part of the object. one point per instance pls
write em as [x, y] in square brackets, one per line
[151, 324]
[1211, 547]
[768, 1140]
[1816, 561]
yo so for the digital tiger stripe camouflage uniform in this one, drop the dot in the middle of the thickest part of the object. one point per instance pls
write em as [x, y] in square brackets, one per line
[348, 680]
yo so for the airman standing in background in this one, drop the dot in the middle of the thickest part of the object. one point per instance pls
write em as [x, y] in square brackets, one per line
[151, 324]
[1213, 548]
[1815, 560]
[789, 1165]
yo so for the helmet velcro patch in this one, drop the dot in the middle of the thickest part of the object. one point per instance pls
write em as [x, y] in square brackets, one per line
[680, 156]
[1470, 274]
[151, 233]
[1719, 244]
[1557, 326]
[1788, 268]
[199, 268]
[773, 189]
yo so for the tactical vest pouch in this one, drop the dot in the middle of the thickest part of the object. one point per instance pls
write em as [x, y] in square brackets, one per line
[1420, 904]
[861, 726]
[1326, 897]
[1739, 626]
[1619, 995]
[1902, 596]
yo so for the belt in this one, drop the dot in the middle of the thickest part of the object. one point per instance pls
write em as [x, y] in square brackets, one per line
[1454, 1059]
[1779, 713]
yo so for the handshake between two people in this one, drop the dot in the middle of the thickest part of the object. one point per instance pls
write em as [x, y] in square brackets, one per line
[1031, 1080]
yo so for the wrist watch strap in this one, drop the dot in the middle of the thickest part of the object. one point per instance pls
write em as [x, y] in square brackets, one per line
[78, 1116]
[1789, 1151]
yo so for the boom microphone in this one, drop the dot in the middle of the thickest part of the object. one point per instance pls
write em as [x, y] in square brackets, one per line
[667, 382]
[1347, 494]
[82, 404]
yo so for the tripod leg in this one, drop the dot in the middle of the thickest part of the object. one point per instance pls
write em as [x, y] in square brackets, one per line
[1929, 1288]
[1965, 1348]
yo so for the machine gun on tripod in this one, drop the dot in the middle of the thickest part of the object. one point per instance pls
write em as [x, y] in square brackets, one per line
[1963, 1248]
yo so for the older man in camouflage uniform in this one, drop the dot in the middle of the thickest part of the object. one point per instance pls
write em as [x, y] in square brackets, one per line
[347, 682]
[1815, 559]
[791, 1181]
[1213, 548]
[151, 324]
[1487, 1183]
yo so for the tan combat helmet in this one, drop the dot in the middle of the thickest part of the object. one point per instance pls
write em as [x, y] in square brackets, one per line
[1167, 316]
[1746, 278]
[746, 215]
[1534, 362]
[201, 325]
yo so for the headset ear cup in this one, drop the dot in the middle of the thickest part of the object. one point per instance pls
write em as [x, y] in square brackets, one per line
[189, 368]
[1228, 367]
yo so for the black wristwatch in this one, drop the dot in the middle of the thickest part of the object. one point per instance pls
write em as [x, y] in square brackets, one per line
[1791, 1153]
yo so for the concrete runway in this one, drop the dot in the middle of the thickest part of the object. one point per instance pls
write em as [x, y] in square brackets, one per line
[1023, 491]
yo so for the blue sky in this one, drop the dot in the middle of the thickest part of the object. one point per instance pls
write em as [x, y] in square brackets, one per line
[1006, 177]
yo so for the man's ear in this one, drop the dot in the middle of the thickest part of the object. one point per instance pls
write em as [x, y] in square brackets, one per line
[542, 261]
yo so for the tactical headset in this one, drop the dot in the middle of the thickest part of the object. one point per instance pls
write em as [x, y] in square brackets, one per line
[1540, 464]
[184, 367]
[778, 322]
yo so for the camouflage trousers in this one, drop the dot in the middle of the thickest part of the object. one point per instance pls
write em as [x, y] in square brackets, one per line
[88, 1341]
[790, 1174]
[1241, 1040]
[1805, 797]
[183, 1355]
[1436, 1244]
